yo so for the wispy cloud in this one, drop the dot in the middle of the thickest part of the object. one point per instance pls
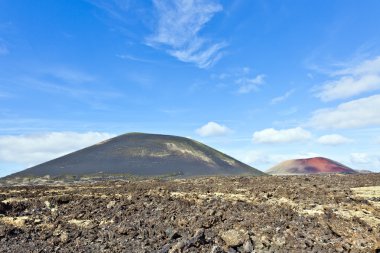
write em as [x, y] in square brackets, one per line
[133, 58]
[282, 98]
[3, 47]
[4, 94]
[87, 96]
[174, 111]
[248, 85]
[289, 111]
[178, 26]
[67, 82]
[63, 80]
[115, 8]
[68, 75]
[5, 28]
[242, 77]
[351, 81]
[54, 87]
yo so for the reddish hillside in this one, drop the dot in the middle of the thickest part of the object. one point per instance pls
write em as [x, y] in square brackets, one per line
[310, 166]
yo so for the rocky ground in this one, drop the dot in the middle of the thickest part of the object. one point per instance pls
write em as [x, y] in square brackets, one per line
[330, 213]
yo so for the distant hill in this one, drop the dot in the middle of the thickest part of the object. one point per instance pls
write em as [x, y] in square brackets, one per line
[314, 165]
[143, 155]
[365, 171]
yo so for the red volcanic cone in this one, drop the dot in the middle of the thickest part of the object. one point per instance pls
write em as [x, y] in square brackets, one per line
[314, 165]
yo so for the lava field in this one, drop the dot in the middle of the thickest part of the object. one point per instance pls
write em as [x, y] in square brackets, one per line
[319, 213]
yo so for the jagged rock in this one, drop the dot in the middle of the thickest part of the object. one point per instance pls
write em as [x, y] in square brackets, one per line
[248, 246]
[177, 248]
[3, 231]
[164, 249]
[64, 237]
[47, 204]
[172, 234]
[111, 204]
[231, 250]
[216, 249]
[234, 237]
[4, 207]
[122, 229]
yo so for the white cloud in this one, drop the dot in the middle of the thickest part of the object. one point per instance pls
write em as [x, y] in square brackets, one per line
[348, 86]
[271, 135]
[29, 150]
[365, 161]
[212, 129]
[360, 158]
[282, 98]
[249, 84]
[266, 160]
[365, 67]
[333, 139]
[253, 157]
[356, 113]
[352, 81]
[179, 24]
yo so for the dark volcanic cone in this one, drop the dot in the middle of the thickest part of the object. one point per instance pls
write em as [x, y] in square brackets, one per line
[314, 165]
[143, 155]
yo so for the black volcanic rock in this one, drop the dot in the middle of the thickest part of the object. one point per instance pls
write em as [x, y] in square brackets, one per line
[143, 155]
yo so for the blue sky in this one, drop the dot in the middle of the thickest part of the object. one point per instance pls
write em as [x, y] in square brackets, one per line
[262, 81]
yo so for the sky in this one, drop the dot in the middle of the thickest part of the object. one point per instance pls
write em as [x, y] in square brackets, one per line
[261, 80]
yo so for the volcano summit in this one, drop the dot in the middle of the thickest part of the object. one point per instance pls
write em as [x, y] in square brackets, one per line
[143, 155]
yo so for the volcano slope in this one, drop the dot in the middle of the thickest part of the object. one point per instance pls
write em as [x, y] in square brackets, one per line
[313, 213]
[315, 165]
[143, 155]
